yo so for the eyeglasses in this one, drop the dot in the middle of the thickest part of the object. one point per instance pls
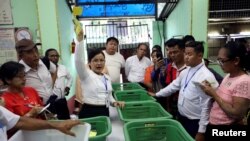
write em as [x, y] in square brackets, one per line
[221, 62]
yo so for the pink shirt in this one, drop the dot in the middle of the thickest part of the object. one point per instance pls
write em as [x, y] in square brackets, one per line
[230, 87]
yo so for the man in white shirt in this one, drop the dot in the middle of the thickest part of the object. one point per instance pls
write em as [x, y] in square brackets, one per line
[193, 104]
[114, 60]
[136, 65]
[8, 120]
[37, 74]
[63, 82]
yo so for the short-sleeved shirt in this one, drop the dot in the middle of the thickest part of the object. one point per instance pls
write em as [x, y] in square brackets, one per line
[114, 63]
[229, 88]
[40, 79]
[7, 121]
[21, 105]
[135, 68]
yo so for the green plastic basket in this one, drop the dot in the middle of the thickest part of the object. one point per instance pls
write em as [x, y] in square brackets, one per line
[155, 130]
[133, 95]
[100, 125]
[142, 110]
[126, 86]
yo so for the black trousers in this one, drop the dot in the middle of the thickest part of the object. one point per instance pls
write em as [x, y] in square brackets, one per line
[89, 111]
[162, 101]
[190, 125]
[62, 109]
[59, 107]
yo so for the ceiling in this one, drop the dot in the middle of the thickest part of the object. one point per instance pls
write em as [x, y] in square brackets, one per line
[229, 11]
[220, 11]
[163, 7]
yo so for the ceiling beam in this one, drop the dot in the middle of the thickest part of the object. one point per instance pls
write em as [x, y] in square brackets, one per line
[118, 2]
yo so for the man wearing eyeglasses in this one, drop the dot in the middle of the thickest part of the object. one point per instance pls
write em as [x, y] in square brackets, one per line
[62, 83]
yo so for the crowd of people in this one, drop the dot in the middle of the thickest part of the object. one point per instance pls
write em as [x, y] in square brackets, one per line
[182, 83]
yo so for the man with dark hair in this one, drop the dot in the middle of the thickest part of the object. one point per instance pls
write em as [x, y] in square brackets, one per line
[62, 83]
[37, 74]
[188, 38]
[135, 65]
[114, 60]
[176, 50]
[193, 103]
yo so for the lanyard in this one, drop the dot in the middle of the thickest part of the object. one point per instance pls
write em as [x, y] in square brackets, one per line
[105, 83]
[187, 81]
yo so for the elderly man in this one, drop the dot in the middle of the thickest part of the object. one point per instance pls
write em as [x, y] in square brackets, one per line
[37, 74]
[63, 82]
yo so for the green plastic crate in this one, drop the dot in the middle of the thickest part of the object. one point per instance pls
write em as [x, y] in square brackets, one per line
[142, 110]
[155, 130]
[126, 86]
[133, 95]
[101, 125]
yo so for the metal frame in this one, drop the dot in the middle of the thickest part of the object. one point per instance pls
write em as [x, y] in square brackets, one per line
[168, 8]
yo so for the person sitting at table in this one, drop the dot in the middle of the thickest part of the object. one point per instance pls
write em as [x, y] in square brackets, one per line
[19, 99]
[97, 86]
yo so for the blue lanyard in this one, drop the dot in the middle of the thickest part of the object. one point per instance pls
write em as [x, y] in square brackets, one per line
[187, 81]
[105, 83]
[1, 126]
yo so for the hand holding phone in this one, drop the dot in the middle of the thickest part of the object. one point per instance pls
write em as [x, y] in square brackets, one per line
[159, 55]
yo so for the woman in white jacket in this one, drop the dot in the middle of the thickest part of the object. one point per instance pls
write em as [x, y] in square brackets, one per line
[97, 86]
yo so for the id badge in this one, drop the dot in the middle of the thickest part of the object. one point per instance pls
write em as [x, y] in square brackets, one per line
[107, 99]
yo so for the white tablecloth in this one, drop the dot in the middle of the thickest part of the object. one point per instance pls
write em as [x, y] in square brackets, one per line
[117, 126]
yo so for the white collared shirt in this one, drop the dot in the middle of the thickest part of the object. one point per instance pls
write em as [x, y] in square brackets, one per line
[95, 87]
[7, 121]
[180, 69]
[114, 63]
[63, 80]
[193, 103]
[135, 68]
[39, 79]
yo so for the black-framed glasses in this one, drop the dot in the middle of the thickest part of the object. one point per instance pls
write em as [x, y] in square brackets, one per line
[221, 62]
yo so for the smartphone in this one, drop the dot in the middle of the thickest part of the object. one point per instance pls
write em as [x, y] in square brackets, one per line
[197, 83]
[159, 55]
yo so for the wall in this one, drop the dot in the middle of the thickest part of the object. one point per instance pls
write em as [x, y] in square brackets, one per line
[48, 24]
[57, 31]
[158, 38]
[24, 14]
[66, 35]
[200, 21]
[179, 21]
[189, 17]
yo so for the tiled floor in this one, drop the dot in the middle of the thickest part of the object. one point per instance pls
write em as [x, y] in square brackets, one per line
[117, 126]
